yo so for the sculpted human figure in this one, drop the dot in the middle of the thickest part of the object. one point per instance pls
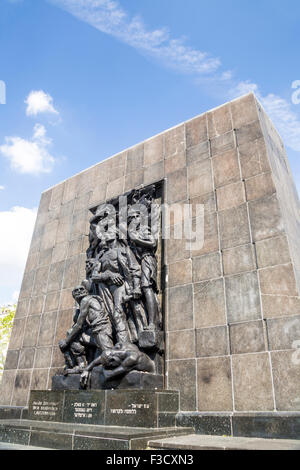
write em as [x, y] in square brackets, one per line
[94, 315]
[80, 350]
[118, 269]
[144, 246]
[120, 360]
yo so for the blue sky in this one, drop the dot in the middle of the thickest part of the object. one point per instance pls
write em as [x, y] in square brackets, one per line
[113, 73]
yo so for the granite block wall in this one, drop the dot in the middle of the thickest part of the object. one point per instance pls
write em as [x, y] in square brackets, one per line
[232, 306]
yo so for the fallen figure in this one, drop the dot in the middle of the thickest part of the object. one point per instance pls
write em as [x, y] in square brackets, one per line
[120, 360]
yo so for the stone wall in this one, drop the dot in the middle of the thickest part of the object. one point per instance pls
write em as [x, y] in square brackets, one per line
[232, 310]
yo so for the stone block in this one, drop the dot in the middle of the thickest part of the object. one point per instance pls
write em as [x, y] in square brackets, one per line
[278, 280]
[66, 299]
[7, 386]
[36, 305]
[52, 301]
[135, 159]
[71, 270]
[12, 359]
[182, 377]
[31, 331]
[200, 178]
[64, 229]
[244, 110]
[99, 192]
[153, 151]
[231, 195]
[67, 209]
[39, 379]
[223, 143]
[247, 337]
[207, 267]
[57, 359]
[219, 121]
[45, 257]
[239, 259]
[180, 308]
[134, 180]
[177, 249]
[82, 202]
[181, 344]
[254, 158]
[26, 358]
[49, 236]
[64, 322]
[114, 188]
[252, 382]
[211, 234]
[40, 281]
[116, 167]
[27, 284]
[180, 273]
[272, 251]
[47, 329]
[242, 297]
[286, 376]
[260, 186]
[249, 132]
[86, 181]
[43, 358]
[22, 308]
[212, 342]
[284, 333]
[280, 305]
[154, 173]
[196, 131]
[56, 276]
[214, 384]
[17, 334]
[229, 220]
[60, 252]
[226, 168]
[175, 162]
[21, 388]
[45, 201]
[209, 297]
[198, 153]
[174, 141]
[265, 218]
[207, 200]
[177, 186]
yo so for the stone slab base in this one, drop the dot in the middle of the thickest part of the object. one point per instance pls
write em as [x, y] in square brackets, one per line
[129, 408]
[65, 436]
[277, 425]
[201, 442]
[134, 380]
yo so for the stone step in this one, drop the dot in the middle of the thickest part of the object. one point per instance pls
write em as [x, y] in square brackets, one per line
[70, 436]
[203, 442]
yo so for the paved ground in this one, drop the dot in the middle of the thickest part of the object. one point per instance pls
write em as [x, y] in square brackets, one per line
[6, 446]
[199, 442]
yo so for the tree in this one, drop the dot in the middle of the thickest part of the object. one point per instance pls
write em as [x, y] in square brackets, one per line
[7, 315]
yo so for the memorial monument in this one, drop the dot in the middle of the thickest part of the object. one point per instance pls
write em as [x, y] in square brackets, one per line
[125, 323]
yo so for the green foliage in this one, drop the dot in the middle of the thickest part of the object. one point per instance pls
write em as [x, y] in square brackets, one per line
[7, 315]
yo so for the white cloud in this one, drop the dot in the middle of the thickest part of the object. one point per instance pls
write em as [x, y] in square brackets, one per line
[110, 18]
[29, 156]
[16, 231]
[2, 188]
[39, 102]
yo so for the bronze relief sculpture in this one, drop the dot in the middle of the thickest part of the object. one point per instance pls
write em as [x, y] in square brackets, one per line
[118, 323]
